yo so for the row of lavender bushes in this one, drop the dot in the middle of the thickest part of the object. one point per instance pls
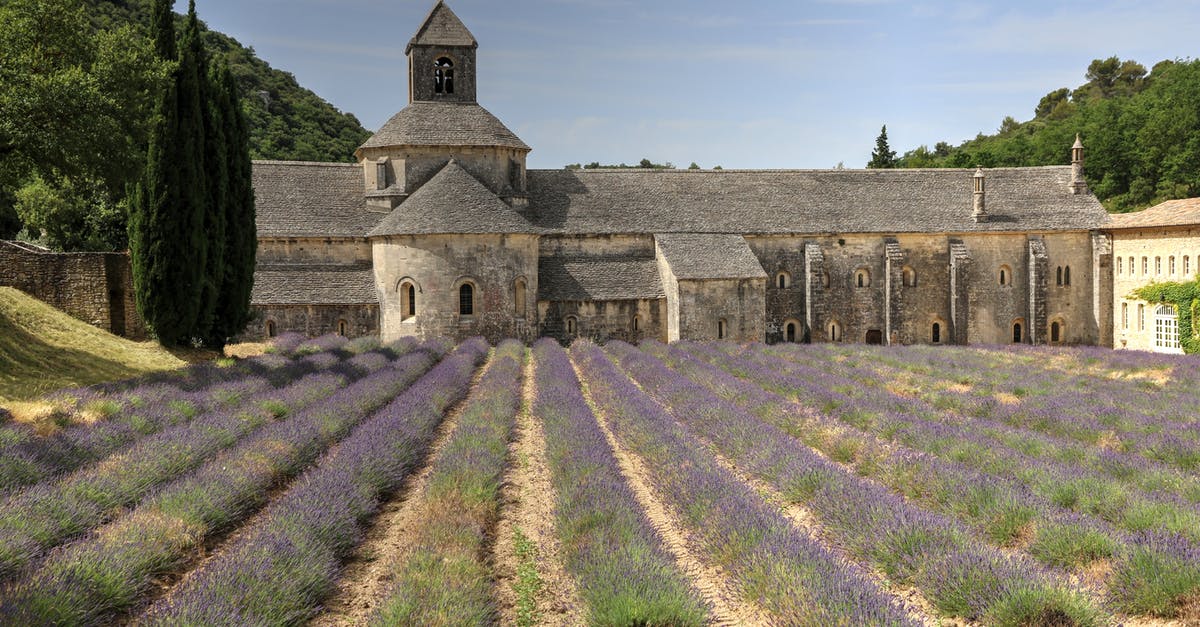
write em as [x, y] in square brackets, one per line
[117, 420]
[51, 512]
[445, 577]
[279, 571]
[1095, 484]
[114, 568]
[958, 574]
[624, 574]
[1047, 429]
[1155, 570]
[1073, 406]
[773, 563]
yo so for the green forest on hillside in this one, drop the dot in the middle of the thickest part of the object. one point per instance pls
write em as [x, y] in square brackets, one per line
[1140, 129]
[77, 86]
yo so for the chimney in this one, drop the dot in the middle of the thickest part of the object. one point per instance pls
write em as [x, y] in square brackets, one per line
[1078, 183]
[979, 213]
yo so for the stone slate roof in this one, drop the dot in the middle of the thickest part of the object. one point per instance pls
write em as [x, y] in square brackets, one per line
[453, 201]
[1183, 212]
[442, 28]
[444, 124]
[598, 277]
[709, 256]
[807, 201]
[316, 284]
[300, 199]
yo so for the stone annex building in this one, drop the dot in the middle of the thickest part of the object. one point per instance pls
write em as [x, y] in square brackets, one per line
[441, 230]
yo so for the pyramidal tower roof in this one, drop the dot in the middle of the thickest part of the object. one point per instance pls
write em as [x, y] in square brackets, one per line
[442, 28]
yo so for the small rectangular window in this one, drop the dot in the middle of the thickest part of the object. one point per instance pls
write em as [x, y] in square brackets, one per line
[1124, 315]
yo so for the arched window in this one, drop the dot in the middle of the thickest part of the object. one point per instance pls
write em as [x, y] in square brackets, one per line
[1124, 315]
[1120, 265]
[936, 333]
[1171, 265]
[1018, 332]
[825, 280]
[909, 277]
[571, 324]
[862, 277]
[1005, 275]
[1145, 266]
[1056, 332]
[1157, 266]
[408, 300]
[1166, 329]
[519, 297]
[342, 328]
[1060, 276]
[466, 300]
[1067, 275]
[1187, 266]
[835, 331]
[443, 76]
[789, 331]
[1141, 317]
[722, 329]
[636, 324]
[783, 280]
[270, 328]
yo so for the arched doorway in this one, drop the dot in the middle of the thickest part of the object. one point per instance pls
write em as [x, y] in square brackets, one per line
[789, 333]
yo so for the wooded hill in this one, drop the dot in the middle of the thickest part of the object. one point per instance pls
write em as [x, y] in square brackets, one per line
[1141, 131]
[286, 121]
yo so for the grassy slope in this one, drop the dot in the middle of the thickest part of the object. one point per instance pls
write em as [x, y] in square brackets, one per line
[43, 349]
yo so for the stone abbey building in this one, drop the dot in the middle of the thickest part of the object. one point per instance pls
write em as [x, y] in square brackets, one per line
[440, 229]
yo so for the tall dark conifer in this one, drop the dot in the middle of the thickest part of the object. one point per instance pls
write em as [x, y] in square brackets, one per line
[241, 238]
[166, 225]
[212, 182]
[883, 156]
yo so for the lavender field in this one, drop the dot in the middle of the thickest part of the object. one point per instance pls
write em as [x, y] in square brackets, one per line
[331, 482]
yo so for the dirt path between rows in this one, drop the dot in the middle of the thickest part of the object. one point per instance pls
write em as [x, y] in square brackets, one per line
[715, 586]
[527, 503]
[368, 574]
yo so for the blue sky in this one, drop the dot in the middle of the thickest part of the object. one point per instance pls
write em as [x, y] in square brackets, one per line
[750, 84]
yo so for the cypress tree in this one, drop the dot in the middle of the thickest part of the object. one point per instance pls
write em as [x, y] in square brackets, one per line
[241, 238]
[166, 239]
[883, 156]
[212, 183]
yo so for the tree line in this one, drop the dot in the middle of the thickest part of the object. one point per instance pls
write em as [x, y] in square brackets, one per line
[77, 87]
[1141, 130]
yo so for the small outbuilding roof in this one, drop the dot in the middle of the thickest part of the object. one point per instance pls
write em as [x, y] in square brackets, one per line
[709, 256]
[317, 284]
[453, 201]
[444, 124]
[598, 277]
[1183, 212]
[301, 199]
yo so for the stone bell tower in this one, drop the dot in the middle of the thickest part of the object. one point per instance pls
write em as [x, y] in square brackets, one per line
[442, 121]
[441, 59]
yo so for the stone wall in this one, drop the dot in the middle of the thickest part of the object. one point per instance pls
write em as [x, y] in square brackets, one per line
[740, 303]
[952, 281]
[627, 320]
[96, 288]
[1133, 320]
[438, 265]
[311, 320]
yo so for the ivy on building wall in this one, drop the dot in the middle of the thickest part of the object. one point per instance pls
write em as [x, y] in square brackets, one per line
[1186, 299]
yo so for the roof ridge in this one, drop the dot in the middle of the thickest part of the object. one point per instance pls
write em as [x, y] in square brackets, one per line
[304, 163]
[666, 171]
[455, 28]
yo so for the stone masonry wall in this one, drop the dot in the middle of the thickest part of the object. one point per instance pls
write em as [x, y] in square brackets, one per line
[604, 320]
[311, 320]
[96, 288]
